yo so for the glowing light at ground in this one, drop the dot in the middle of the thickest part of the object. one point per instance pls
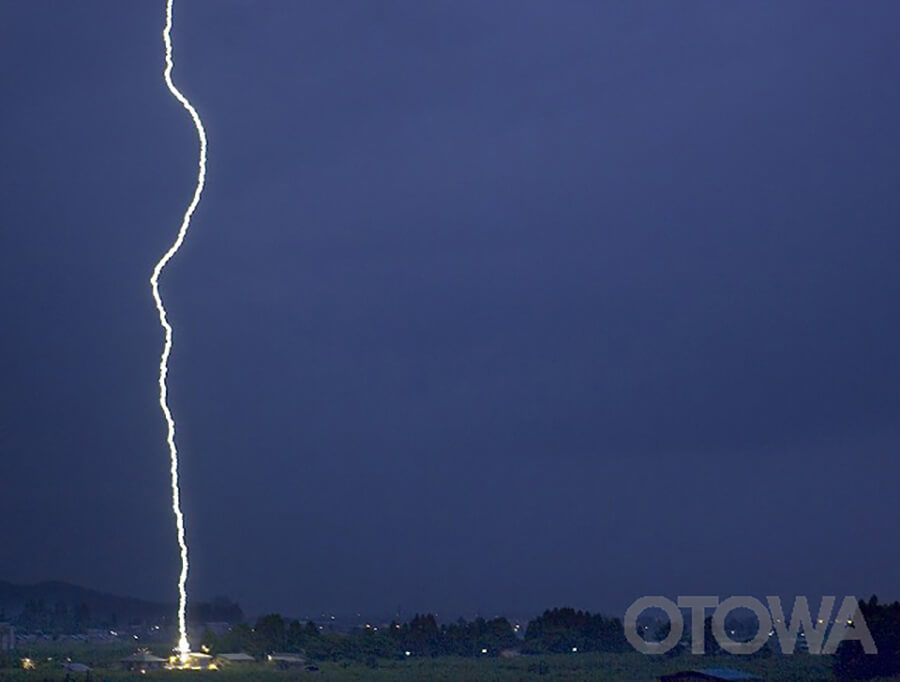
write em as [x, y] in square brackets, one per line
[183, 645]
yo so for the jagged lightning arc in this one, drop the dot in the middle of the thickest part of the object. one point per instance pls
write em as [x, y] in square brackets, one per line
[183, 645]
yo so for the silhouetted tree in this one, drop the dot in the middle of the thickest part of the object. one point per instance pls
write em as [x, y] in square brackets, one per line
[853, 663]
[272, 631]
[421, 635]
[241, 637]
[560, 630]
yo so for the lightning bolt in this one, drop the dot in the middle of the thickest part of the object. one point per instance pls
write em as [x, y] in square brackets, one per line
[183, 645]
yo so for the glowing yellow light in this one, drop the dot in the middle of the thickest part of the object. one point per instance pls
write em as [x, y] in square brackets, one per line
[27, 664]
[204, 648]
[183, 645]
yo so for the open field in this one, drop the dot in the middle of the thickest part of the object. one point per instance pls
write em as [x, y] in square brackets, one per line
[626, 667]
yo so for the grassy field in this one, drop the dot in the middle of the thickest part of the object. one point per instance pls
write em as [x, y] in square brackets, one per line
[629, 667]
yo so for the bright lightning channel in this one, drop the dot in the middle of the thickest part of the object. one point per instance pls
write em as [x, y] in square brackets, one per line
[183, 645]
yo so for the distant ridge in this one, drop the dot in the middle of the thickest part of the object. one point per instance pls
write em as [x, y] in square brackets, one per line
[107, 608]
[102, 605]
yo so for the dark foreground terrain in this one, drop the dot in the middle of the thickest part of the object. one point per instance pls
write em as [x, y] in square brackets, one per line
[569, 667]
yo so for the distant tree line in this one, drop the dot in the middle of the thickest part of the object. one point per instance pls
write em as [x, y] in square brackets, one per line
[561, 630]
[59, 617]
[557, 630]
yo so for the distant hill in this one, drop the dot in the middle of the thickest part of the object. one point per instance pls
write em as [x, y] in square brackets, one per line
[101, 606]
[27, 603]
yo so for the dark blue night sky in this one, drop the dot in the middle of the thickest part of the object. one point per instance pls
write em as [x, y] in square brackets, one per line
[488, 306]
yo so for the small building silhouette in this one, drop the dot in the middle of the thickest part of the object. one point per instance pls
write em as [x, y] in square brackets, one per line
[143, 660]
[71, 667]
[234, 659]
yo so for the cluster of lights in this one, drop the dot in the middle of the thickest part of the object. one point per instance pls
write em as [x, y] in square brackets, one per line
[191, 660]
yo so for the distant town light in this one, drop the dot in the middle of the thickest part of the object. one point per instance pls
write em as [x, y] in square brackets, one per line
[484, 651]
[408, 653]
[27, 664]
[574, 649]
